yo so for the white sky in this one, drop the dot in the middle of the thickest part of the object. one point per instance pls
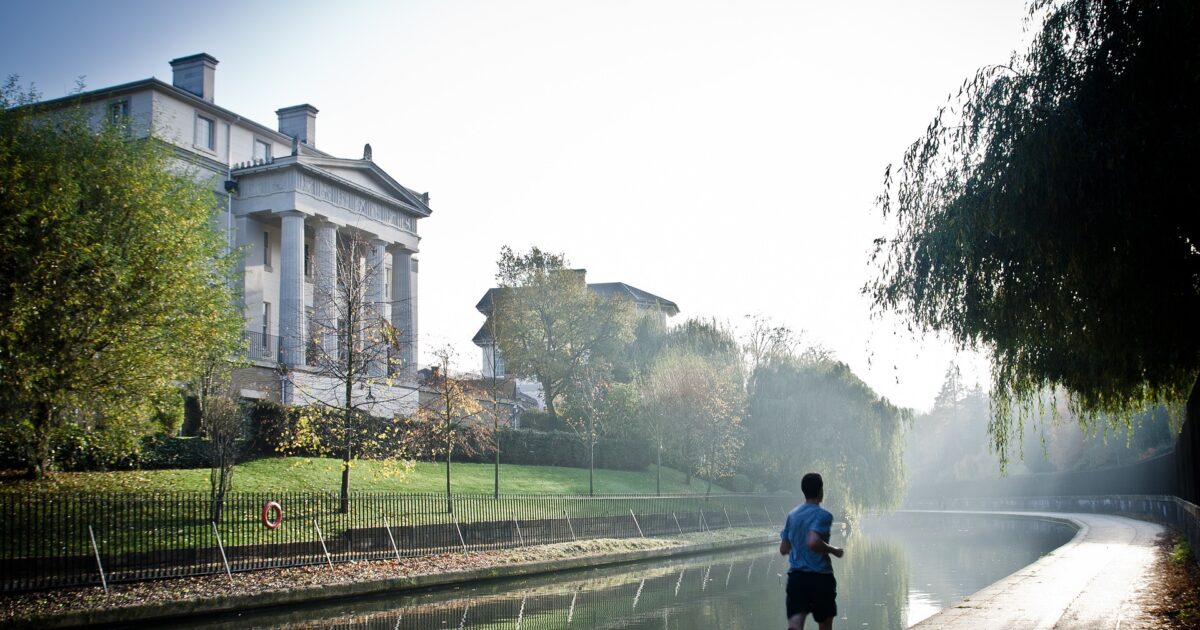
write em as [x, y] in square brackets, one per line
[724, 155]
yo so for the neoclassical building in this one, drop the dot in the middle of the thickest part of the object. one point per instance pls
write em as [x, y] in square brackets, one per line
[290, 207]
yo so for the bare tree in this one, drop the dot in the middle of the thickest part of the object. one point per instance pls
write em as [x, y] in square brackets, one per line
[596, 404]
[222, 426]
[354, 356]
[453, 417]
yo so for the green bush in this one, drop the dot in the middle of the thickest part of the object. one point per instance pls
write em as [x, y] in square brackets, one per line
[541, 421]
[168, 452]
[563, 448]
[737, 483]
[270, 425]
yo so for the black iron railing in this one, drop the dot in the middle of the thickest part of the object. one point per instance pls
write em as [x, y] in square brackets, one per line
[53, 540]
[260, 346]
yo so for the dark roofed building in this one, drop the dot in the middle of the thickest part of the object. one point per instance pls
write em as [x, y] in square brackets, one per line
[646, 304]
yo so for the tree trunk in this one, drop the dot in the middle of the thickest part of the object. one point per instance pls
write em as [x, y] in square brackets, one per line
[43, 421]
[449, 499]
[658, 471]
[344, 498]
[687, 458]
[548, 394]
[1188, 448]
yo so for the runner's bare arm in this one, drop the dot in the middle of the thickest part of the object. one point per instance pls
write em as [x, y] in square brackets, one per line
[816, 544]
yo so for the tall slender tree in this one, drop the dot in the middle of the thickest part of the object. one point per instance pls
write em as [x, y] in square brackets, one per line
[354, 353]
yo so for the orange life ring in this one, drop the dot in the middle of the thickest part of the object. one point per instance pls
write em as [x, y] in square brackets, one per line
[272, 515]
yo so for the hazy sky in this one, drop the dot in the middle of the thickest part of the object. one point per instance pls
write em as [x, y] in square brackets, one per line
[724, 155]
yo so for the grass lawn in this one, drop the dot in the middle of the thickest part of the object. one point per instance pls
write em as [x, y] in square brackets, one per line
[303, 474]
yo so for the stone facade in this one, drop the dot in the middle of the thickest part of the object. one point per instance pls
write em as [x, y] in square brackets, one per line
[288, 206]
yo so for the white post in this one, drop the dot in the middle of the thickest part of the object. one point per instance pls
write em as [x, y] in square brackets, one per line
[321, 537]
[635, 523]
[520, 538]
[96, 550]
[572, 527]
[391, 538]
[461, 540]
[727, 521]
[677, 523]
[221, 546]
[749, 519]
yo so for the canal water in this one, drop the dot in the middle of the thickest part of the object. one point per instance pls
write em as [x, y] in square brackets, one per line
[897, 571]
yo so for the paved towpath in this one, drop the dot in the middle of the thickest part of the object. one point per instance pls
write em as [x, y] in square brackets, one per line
[1095, 581]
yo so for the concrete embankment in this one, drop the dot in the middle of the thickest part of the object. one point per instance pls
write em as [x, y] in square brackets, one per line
[1095, 581]
[481, 566]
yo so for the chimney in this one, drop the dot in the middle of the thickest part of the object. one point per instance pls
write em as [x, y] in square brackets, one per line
[196, 74]
[299, 121]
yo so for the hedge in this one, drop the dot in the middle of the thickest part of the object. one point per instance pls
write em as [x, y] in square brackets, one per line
[563, 448]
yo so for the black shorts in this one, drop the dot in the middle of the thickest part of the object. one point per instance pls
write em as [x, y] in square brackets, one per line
[812, 593]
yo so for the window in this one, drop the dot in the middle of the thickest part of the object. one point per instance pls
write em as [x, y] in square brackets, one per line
[387, 283]
[262, 151]
[267, 250]
[266, 323]
[118, 112]
[307, 261]
[206, 133]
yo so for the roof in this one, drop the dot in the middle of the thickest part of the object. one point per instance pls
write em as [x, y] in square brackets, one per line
[484, 336]
[641, 298]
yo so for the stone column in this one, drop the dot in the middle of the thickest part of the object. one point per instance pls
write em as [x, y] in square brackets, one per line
[325, 295]
[376, 277]
[403, 298]
[292, 331]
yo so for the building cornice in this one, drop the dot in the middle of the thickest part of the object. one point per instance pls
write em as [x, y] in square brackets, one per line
[302, 165]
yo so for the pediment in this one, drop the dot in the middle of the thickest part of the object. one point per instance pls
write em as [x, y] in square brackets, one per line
[367, 175]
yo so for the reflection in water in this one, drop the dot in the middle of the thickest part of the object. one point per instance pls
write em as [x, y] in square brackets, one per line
[897, 570]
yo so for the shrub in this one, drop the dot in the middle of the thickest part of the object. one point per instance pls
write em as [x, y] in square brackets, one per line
[168, 452]
[562, 448]
[541, 421]
[270, 427]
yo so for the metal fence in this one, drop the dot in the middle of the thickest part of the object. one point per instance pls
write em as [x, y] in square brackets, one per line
[54, 540]
[1182, 515]
[260, 346]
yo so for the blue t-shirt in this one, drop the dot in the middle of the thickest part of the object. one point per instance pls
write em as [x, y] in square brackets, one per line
[807, 517]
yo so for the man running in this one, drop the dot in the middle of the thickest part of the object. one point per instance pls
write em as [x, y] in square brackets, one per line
[805, 541]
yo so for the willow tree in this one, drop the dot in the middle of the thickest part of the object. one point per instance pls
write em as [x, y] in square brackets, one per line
[114, 283]
[1048, 214]
[818, 416]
